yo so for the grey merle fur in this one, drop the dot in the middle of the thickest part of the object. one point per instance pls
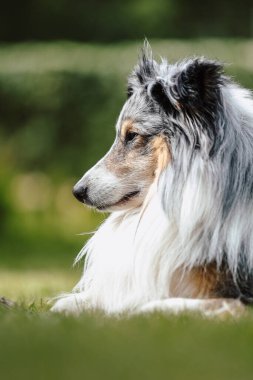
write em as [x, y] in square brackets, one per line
[198, 114]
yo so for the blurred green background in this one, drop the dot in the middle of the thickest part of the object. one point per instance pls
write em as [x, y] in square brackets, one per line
[63, 70]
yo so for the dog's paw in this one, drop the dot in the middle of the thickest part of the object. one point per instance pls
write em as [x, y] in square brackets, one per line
[73, 304]
[220, 308]
[171, 306]
[223, 308]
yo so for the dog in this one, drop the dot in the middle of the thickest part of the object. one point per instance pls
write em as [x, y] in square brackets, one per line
[178, 183]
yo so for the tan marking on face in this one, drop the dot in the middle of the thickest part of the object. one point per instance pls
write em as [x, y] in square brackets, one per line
[117, 161]
[138, 163]
[126, 127]
[162, 154]
[147, 164]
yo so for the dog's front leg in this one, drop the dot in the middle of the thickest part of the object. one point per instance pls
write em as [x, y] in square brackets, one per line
[71, 304]
[220, 307]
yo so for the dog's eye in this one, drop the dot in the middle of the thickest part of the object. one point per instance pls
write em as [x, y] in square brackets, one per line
[130, 136]
[129, 92]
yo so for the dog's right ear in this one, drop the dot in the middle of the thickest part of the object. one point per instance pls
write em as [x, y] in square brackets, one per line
[158, 92]
[194, 87]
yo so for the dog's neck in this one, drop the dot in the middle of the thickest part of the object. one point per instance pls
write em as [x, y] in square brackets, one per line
[124, 258]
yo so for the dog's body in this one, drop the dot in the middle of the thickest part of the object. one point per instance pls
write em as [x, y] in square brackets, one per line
[179, 183]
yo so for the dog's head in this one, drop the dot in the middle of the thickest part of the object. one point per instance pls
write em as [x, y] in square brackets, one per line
[167, 105]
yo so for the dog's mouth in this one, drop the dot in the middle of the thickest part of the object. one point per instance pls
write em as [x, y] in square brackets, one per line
[121, 202]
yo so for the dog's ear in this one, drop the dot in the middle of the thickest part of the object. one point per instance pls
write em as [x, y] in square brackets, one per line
[144, 71]
[194, 85]
[159, 91]
[198, 83]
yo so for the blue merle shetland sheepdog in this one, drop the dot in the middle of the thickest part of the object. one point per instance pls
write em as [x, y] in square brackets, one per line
[178, 182]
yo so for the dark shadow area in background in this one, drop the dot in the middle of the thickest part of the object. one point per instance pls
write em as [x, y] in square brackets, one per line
[114, 20]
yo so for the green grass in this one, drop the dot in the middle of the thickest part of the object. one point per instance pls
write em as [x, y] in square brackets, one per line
[37, 345]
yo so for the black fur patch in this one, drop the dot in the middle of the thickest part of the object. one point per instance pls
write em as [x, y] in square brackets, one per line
[198, 83]
[146, 67]
[190, 89]
[130, 91]
[240, 287]
[158, 93]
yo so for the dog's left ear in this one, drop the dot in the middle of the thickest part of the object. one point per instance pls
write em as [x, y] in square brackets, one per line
[199, 82]
[196, 83]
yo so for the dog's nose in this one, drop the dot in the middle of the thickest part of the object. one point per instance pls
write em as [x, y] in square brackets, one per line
[81, 193]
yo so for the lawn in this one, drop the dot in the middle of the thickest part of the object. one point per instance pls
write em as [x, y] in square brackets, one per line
[38, 345]
[43, 88]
